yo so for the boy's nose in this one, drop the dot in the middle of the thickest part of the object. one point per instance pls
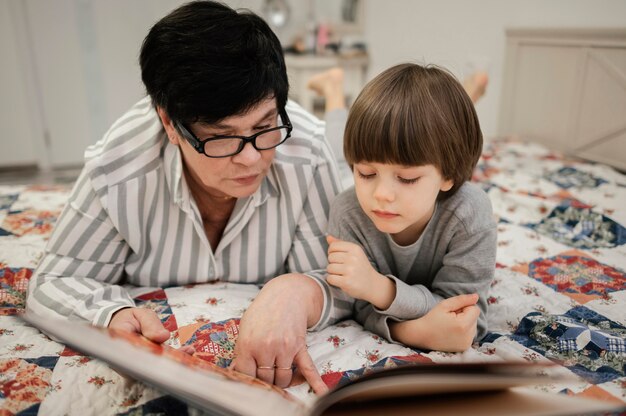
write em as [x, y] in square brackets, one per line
[384, 193]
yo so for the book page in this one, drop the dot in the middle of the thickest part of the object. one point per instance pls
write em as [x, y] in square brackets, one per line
[511, 402]
[191, 379]
[441, 384]
[476, 386]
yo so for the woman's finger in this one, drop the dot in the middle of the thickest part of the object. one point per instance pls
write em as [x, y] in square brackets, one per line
[265, 373]
[244, 364]
[283, 372]
[306, 366]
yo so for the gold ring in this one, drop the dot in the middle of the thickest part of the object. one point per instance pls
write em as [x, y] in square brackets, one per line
[274, 367]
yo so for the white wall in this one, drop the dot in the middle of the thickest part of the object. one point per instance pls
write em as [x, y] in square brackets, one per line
[16, 121]
[81, 71]
[71, 70]
[457, 34]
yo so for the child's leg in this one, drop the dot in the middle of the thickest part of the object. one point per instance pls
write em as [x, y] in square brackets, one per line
[475, 85]
[329, 84]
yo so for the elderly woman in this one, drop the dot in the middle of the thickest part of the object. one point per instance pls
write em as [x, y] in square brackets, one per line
[214, 176]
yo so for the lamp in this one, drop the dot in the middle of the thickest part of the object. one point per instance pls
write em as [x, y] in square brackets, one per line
[276, 12]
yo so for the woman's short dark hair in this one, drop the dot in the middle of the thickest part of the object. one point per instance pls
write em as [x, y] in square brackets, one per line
[412, 115]
[205, 61]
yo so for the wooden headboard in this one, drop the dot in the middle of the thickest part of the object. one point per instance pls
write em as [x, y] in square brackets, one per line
[566, 88]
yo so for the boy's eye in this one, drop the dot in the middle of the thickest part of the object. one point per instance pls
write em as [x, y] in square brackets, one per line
[365, 176]
[407, 181]
[263, 127]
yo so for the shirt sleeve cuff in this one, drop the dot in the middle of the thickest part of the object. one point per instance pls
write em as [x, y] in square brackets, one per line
[411, 302]
[324, 316]
[379, 324]
[105, 314]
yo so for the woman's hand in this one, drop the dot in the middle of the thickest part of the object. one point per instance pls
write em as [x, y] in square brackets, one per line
[142, 321]
[350, 270]
[272, 333]
[145, 322]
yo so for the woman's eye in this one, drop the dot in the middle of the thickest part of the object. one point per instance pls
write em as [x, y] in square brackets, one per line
[263, 127]
[407, 181]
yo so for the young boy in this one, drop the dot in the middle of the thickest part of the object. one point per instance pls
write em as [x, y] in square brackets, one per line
[413, 233]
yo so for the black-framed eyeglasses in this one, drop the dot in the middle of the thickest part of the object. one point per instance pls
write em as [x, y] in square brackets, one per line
[225, 146]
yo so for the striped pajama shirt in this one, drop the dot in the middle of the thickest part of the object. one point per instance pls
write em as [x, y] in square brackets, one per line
[131, 219]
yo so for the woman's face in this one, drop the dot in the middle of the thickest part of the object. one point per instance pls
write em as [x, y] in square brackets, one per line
[236, 176]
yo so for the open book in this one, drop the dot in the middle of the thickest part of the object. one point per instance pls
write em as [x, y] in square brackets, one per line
[440, 388]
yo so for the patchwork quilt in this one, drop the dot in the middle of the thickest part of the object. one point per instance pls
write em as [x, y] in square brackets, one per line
[559, 295]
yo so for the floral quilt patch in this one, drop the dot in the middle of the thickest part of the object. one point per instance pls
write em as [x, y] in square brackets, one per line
[590, 345]
[24, 384]
[30, 222]
[157, 301]
[13, 287]
[581, 228]
[340, 378]
[215, 341]
[576, 274]
[568, 177]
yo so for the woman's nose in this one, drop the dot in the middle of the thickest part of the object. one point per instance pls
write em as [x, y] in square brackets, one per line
[248, 155]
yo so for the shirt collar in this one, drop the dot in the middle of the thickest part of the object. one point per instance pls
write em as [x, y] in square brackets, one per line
[173, 164]
[267, 189]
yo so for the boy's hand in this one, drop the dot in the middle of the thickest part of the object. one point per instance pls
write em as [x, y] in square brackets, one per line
[450, 326]
[350, 270]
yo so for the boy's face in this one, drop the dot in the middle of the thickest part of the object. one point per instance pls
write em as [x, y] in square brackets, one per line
[399, 200]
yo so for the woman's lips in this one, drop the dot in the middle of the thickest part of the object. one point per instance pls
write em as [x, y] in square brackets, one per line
[246, 180]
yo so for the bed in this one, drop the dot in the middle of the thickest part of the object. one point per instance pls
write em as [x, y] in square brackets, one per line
[558, 295]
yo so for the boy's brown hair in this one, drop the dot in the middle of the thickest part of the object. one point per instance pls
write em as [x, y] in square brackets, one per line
[412, 115]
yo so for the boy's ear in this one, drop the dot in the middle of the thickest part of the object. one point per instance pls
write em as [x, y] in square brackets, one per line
[447, 185]
[168, 125]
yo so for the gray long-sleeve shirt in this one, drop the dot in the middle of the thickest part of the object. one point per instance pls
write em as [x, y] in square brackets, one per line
[454, 255]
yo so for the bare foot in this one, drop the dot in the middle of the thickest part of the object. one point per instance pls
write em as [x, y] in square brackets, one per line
[327, 81]
[476, 84]
[329, 84]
